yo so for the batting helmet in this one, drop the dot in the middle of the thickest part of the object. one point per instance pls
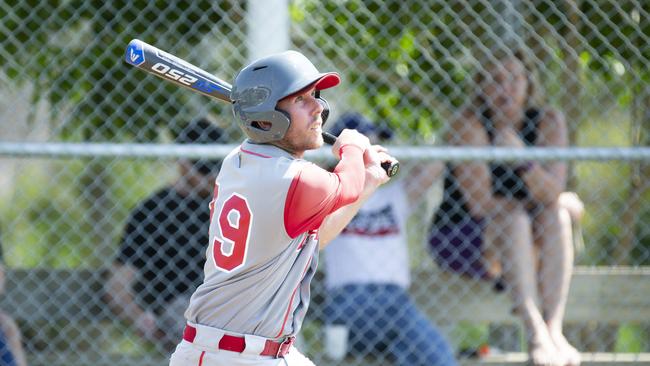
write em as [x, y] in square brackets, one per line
[259, 86]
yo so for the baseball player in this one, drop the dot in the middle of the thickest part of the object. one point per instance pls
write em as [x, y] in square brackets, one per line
[270, 213]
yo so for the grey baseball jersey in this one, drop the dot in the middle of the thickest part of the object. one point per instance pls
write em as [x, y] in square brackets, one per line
[256, 275]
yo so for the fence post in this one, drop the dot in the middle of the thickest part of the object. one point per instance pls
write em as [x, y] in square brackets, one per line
[268, 27]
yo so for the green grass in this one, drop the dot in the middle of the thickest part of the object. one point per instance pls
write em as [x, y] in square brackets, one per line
[631, 339]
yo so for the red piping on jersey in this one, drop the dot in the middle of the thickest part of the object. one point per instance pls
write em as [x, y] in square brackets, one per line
[293, 295]
[215, 195]
[302, 243]
[201, 358]
[254, 153]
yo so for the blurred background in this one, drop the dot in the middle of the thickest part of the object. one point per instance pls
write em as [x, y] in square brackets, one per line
[405, 64]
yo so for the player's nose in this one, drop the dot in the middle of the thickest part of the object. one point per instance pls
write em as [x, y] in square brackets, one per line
[317, 107]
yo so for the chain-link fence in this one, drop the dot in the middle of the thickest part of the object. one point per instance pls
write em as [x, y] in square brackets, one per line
[85, 140]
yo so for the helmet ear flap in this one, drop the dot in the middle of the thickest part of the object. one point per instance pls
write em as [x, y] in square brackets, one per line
[324, 114]
[326, 107]
[286, 114]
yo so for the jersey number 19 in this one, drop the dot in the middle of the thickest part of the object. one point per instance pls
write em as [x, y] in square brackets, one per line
[234, 218]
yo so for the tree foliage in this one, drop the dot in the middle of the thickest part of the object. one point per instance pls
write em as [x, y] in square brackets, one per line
[414, 46]
[73, 50]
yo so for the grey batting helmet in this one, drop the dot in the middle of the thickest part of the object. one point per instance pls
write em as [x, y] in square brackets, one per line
[259, 86]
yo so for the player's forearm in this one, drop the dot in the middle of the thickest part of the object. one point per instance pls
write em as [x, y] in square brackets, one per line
[337, 221]
[350, 171]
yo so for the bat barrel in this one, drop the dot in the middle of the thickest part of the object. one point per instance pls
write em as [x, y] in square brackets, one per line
[169, 67]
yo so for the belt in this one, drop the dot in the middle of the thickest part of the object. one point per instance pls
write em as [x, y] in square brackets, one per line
[238, 344]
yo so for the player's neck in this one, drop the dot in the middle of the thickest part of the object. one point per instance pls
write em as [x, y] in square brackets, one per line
[280, 144]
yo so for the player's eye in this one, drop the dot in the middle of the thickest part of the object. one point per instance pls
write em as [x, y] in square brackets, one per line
[301, 97]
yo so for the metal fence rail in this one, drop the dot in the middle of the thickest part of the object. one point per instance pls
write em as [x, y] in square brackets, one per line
[421, 153]
[85, 139]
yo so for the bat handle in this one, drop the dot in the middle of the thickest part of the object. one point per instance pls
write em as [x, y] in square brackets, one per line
[329, 138]
[391, 167]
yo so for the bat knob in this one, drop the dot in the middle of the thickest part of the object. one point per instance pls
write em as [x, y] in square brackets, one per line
[391, 168]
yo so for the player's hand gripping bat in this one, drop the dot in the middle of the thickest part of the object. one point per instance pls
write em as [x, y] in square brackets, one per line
[169, 67]
[391, 167]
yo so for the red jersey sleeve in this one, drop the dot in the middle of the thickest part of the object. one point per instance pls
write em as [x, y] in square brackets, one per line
[314, 192]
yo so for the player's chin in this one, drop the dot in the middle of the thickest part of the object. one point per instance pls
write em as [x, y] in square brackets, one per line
[316, 144]
[317, 138]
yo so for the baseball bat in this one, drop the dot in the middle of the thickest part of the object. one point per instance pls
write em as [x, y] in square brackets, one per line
[180, 72]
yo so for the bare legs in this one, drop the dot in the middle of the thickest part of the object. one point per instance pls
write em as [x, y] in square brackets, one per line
[539, 296]
[554, 238]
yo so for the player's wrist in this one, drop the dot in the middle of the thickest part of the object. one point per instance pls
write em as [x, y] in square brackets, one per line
[350, 145]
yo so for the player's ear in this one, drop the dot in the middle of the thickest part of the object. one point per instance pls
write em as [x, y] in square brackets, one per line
[262, 125]
[326, 107]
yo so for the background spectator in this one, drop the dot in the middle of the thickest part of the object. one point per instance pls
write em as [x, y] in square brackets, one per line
[11, 346]
[367, 270]
[158, 265]
[513, 216]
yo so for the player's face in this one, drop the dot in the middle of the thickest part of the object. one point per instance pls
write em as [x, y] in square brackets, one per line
[305, 130]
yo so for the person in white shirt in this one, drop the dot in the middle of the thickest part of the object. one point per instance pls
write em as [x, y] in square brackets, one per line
[367, 271]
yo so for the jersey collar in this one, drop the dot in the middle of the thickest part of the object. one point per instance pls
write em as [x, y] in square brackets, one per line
[264, 150]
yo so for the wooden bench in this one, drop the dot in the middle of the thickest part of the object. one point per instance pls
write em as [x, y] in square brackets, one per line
[66, 321]
[608, 295]
[603, 295]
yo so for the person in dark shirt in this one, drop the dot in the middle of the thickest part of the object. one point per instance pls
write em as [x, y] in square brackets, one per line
[517, 214]
[158, 265]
